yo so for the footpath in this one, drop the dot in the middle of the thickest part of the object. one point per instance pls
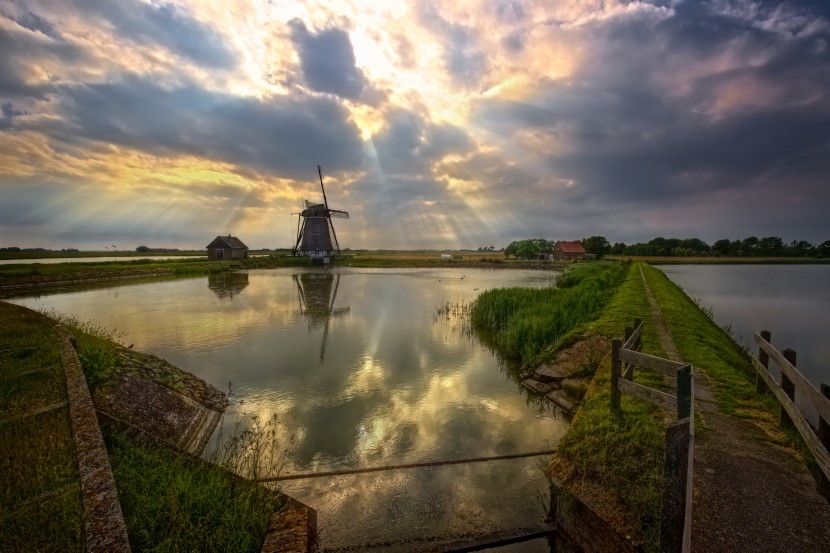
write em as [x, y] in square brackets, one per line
[750, 493]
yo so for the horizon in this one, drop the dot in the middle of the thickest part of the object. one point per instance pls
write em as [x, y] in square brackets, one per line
[437, 127]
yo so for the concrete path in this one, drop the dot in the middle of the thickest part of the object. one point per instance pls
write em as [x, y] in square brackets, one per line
[749, 494]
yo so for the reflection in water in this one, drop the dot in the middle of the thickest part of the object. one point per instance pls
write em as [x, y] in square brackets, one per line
[316, 298]
[396, 385]
[227, 284]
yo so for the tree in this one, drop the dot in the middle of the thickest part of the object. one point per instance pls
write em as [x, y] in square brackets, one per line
[528, 249]
[596, 245]
[142, 249]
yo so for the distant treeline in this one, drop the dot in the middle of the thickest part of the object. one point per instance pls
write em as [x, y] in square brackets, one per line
[768, 246]
[146, 249]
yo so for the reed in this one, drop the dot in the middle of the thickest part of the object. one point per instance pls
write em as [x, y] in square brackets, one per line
[521, 323]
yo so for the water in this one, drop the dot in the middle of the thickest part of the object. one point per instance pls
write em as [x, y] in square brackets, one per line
[791, 301]
[53, 260]
[361, 368]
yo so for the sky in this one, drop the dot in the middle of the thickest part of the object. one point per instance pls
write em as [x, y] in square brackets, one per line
[437, 124]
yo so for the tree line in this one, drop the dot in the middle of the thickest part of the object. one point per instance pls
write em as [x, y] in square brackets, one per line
[752, 246]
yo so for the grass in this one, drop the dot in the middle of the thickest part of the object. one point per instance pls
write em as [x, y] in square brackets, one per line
[522, 323]
[623, 456]
[175, 503]
[170, 502]
[97, 347]
[40, 506]
[710, 348]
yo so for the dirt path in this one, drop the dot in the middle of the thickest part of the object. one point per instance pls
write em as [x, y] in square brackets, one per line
[749, 494]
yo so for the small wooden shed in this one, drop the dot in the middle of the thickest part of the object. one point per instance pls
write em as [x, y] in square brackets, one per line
[569, 251]
[227, 247]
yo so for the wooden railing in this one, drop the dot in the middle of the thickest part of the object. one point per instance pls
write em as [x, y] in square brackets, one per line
[676, 514]
[791, 381]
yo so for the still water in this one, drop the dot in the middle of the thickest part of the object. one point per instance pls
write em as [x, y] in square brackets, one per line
[361, 368]
[54, 260]
[791, 301]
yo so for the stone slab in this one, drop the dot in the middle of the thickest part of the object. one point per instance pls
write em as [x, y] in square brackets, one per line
[538, 387]
[550, 373]
[157, 410]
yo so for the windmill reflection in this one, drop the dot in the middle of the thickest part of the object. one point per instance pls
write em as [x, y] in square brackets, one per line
[227, 285]
[317, 293]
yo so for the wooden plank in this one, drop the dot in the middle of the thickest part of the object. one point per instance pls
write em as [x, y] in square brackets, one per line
[651, 362]
[684, 391]
[802, 385]
[494, 539]
[634, 338]
[820, 453]
[656, 397]
[675, 483]
[615, 376]
[690, 472]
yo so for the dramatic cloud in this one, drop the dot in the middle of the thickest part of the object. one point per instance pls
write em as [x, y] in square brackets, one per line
[437, 125]
[328, 63]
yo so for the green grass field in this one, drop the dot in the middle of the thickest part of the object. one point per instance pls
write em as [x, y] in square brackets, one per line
[40, 501]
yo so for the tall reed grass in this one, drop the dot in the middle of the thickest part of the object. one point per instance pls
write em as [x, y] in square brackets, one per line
[520, 323]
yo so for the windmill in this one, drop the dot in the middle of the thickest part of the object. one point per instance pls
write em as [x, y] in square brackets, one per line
[315, 231]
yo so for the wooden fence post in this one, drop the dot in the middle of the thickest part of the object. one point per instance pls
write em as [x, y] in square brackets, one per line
[675, 471]
[615, 375]
[626, 369]
[638, 345]
[788, 388]
[684, 391]
[824, 437]
[763, 358]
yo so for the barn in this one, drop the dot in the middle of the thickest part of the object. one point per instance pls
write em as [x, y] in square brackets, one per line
[569, 251]
[227, 247]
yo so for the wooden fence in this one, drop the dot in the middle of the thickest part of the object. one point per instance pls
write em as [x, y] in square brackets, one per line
[791, 381]
[676, 515]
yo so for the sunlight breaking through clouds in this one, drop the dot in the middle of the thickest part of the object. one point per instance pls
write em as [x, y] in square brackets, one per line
[438, 125]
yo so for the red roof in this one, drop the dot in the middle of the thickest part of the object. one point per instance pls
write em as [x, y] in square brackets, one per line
[571, 247]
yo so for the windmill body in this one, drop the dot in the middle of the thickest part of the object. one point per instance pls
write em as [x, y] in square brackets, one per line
[316, 237]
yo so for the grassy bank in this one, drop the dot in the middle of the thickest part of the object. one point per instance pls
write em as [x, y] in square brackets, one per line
[617, 462]
[40, 501]
[701, 342]
[170, 502]
[174, 503]
[522, 323]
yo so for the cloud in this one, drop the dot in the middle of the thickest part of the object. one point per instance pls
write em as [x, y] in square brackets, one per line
[279, 135]
[163, 24]
[675, 109]
[463, 58]
[7, 114]
[32, 21]
[328, 63]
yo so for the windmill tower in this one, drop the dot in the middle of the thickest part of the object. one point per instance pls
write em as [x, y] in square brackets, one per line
[315, 231]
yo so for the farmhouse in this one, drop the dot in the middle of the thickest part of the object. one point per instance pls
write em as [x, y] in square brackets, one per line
[569, 251]
[227, 247]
